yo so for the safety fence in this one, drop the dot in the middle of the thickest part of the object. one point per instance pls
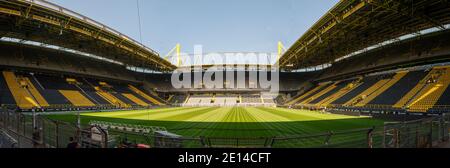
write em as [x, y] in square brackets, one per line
[21, 130]
[27, 131]
[422, 133]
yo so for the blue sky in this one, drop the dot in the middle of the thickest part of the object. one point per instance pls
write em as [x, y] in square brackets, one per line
[218, 25]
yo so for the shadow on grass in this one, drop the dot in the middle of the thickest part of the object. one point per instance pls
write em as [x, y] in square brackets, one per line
[240, 130]
[298, 134]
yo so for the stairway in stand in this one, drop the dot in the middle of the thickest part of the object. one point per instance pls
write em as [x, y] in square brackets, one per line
[429, 96]
[24, 92]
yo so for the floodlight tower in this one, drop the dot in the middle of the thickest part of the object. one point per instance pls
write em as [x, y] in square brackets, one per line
[177, 50]
[281, 50]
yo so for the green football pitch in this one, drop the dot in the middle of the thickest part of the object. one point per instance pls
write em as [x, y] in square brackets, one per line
[233, 122]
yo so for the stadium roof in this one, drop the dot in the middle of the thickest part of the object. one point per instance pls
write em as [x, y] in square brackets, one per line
[353, 25]
[50, 24]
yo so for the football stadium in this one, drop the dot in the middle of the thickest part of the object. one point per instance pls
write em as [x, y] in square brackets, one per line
[367, 74]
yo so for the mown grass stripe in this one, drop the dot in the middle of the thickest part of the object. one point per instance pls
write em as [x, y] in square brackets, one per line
[239, 122]
[301, 127]
[119, 114]
[187, 115]
[278, 128]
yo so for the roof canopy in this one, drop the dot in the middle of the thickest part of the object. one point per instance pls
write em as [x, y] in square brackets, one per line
[47, 23]
[353, 25]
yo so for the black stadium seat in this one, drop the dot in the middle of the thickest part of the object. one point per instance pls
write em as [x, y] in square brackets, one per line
[333, 91]
[50, 89]
[5, 95]
[398, 90]
[444, 100]
[315, 92]
[367, 83]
